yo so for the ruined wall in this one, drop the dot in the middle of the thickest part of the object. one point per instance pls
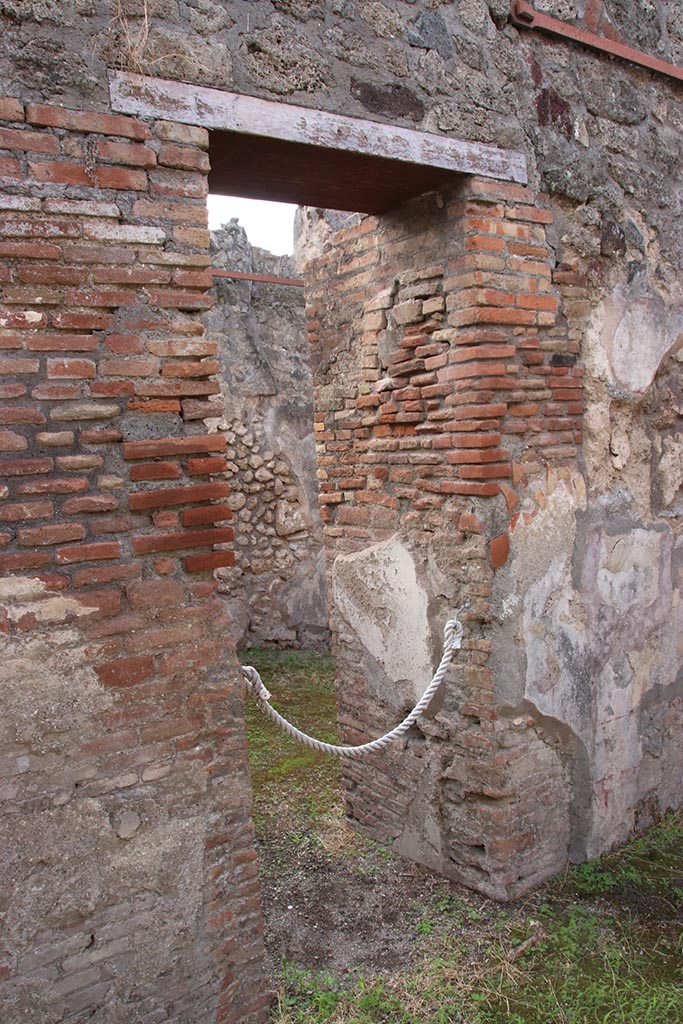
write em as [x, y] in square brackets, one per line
[449, 424]
[276, 588]
[437, 387]
[128, 885]
[572, 665]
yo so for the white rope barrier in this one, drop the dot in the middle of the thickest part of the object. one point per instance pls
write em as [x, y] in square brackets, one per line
[452, 642]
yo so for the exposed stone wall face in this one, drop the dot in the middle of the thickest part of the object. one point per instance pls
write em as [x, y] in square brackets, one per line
[559, 728]
[276, 589]
[129, 885]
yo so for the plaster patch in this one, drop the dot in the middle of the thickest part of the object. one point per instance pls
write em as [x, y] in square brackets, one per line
[22, 595]
[628, 338]
[628, 569]
[377, 593]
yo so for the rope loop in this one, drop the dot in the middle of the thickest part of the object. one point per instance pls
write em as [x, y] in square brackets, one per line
[453, 633]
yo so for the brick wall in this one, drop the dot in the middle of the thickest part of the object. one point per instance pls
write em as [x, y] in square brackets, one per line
[131, 878]
[445, 378]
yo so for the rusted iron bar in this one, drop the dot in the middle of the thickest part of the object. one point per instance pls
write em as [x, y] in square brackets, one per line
[265, 278]
[525, 16]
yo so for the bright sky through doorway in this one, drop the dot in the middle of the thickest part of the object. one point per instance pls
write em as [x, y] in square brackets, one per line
[268, 225]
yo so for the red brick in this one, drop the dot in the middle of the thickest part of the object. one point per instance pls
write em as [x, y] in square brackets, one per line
[45, 228]
[179, 389]
[30, 560]
[13, 366]
[511, 499]
[151, 595]
[28, 141]
[129, 367]
[99, 298]
[156, 471]
[129, 153]
[165, 519]
[484, 243]
[130, 275]
[89, 552]
[20, 511]
[48, 342]
[77, 121]
[193, 278]
[185, 539]
[154, 406]
[63, 173]
[58, 533]
[173, 446]
[529, 213]
[103, 436]
[538, 302]
[90, 503]
[213, 560]
[82, 321]
[56, 485]
[126, 671]
[470, 487]
[499, 549]
[24, 320]
[56, 392]
[483, 440]
[101, 525]
[475, 352]
[9, 167]
[106, 574]
[491, 472]
[463, 371]
[197, 467]
[469, 523]
[71, 369]
[205, 368]
[25, 467]
[50, 274]
[174, 298]
[476, 456]
[112, 389]
[178, 496]
[208, 514]
[11, 109]
[11, 442]
[184, 213]
[183, 157]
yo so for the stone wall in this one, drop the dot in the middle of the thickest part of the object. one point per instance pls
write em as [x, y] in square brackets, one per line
[276, 589]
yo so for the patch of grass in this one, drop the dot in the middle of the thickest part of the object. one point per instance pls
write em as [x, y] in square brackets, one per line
[602, 945]
[581, 968]
[292, 784]
[646, 874]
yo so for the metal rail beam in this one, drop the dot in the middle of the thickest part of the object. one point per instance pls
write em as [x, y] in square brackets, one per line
[295, 282]
[525, 16]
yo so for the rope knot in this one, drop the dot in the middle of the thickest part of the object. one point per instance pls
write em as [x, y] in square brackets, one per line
[453, 630]
[255, 684]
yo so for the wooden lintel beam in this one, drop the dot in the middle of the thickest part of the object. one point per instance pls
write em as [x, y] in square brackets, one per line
[525, 16]
[249, 115]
